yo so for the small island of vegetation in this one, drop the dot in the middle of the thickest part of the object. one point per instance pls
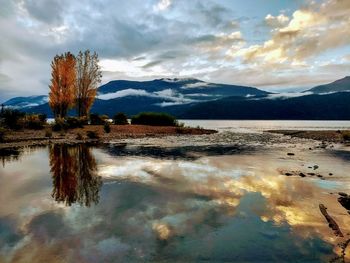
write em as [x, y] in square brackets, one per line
[73, 88]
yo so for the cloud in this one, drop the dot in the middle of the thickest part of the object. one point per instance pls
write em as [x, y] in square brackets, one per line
[196, 85]
[162, 5]
[124, 93]
[310, 31]
[171, 97]
[287, 95]
[149, 39]
[276, 21]
[51, 12]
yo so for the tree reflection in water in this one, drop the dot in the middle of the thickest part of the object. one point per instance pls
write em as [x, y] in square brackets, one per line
[74, 176]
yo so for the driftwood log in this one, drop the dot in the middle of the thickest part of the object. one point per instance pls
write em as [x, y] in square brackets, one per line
[331, 222]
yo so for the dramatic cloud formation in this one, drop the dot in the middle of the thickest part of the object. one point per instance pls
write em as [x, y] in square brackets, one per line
[272, 44]
[312, 31]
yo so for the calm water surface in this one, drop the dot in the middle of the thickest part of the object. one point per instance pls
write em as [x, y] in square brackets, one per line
[80, 204]
[261, 125]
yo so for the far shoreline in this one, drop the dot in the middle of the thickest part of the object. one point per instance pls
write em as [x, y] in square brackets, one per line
[330, 136]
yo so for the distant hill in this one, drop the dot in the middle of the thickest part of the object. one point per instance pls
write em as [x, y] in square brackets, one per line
[131, 97]
[336, 86]
[26, 102]
[189, 89]
[195, 99]
[333, 106]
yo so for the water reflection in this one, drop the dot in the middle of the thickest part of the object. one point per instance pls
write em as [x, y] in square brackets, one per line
[228, 208]
[8, 155]
[74, 175]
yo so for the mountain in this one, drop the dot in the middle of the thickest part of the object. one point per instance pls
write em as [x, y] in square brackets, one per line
[333, 106]
[186, 86]
[131, 97]
[336, 86]
[26, 102]
[178, 91]
[195, 99]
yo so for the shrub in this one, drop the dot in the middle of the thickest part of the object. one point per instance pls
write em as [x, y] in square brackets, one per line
[154, 119]
[59, 125]
[346, 136]
[34, 122]
[74, 122]
[83, 120]
[107, 127]
[120, 119]
[48, 132]
[11, 118]
[181, 124]
[69, 123]
[79, 136]
[2, 134]
[104, 117]
[96, 119]
[92, 135]
[181, 130]
[42, 118]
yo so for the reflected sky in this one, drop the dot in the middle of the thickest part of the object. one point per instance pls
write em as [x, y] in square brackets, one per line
[77, 204]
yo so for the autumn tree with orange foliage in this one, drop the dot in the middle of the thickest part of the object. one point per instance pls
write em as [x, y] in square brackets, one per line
[88, 77]
[62, 87]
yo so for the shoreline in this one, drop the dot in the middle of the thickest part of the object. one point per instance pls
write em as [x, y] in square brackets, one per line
[330, 136]
[26, 137]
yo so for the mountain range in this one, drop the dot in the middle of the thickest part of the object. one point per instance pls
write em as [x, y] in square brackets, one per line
[336, 86]
[192, 98]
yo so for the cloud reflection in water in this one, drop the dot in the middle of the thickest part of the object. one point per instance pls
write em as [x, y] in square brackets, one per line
[221, 208]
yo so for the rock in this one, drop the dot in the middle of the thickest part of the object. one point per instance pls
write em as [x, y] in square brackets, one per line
[312, 174]
[344, 200]
[315, 167]
[302, 175]
[331, 222]
[290, 154]
[342, 194]
[319, 176]
[330, 174]
[288, 174]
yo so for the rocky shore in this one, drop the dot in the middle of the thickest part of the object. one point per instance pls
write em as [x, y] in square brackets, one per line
[326, 135]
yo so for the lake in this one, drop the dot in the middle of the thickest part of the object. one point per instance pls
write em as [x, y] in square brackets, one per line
[157, 203]
[263, 125]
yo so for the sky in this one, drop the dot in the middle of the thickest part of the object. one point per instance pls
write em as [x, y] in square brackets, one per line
[275, 45]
